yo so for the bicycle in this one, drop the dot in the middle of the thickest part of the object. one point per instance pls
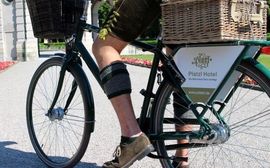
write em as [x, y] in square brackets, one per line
[60, 104]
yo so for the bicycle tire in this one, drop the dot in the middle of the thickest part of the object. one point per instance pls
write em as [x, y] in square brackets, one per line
[248, 145]
[59, 141]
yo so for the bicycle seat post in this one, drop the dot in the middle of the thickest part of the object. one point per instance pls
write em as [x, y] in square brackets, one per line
[85, 10]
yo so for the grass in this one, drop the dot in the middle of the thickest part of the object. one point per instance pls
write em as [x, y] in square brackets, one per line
[61, 45]
[52, 46]
[147, 57]
[151, 42]
[265, 60]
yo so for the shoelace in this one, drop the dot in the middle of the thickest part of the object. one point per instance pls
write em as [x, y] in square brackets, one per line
[117, 152]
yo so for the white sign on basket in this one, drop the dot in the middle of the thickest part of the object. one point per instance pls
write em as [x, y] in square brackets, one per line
[204, 68]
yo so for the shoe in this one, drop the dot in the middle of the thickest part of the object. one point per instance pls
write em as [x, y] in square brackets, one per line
[126, 154]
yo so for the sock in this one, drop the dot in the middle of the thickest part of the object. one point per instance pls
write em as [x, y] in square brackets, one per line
[129, 140]
[136, 135]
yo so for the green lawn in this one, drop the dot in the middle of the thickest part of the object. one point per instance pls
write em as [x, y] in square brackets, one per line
[52, 46]
[148, 57]
[265, 59]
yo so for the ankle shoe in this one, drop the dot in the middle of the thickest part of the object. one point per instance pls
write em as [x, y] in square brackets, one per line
[126, 154]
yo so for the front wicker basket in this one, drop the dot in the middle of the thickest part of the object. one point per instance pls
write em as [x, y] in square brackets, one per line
[200, 21]
[54, 19]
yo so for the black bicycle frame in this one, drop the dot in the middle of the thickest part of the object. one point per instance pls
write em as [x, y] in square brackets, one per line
[76, 47]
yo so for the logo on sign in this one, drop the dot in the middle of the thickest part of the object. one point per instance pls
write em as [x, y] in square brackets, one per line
[202, 61]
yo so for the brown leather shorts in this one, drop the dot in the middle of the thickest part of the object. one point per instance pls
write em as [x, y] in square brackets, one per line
[130, 18]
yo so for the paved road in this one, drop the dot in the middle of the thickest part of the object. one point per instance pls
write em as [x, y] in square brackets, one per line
[15, 147]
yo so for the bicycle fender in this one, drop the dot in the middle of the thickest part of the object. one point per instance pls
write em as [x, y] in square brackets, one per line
[89, 96]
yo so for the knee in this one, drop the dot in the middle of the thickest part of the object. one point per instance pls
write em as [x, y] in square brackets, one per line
[110, 44]
[102, 47]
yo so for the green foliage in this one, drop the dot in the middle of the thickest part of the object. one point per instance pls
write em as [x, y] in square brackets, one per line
[265, 60]
[149, 41]
[146, 57]
[52, 46]
[103, 12]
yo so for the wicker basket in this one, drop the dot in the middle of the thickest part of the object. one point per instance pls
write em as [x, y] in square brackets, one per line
[200, 21]
[54, 19]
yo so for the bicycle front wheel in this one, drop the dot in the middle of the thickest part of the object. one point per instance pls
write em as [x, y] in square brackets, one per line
[61, 137]
[247, 114]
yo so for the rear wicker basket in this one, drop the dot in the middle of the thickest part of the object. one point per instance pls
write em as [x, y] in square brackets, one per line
[200, 21]
[54, 19]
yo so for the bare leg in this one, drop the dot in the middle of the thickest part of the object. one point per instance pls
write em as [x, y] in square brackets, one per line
[106, 52]
[181, 152]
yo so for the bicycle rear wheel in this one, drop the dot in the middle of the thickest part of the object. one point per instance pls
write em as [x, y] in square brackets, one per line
[248, 115]
[59, 138]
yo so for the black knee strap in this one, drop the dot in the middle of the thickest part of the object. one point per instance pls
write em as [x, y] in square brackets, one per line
[115, 80]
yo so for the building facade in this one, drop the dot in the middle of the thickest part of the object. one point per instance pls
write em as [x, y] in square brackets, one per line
[17, 41]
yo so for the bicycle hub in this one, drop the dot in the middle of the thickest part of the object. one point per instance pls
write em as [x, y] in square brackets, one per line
[219, 134]
[56, 114]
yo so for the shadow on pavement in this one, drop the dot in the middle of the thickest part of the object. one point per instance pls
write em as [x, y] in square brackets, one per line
[13, 158]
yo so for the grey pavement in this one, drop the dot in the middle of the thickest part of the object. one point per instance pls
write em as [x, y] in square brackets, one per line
[15, 147]
[17, 151]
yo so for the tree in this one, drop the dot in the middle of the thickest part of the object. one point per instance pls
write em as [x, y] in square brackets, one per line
[103, 12]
